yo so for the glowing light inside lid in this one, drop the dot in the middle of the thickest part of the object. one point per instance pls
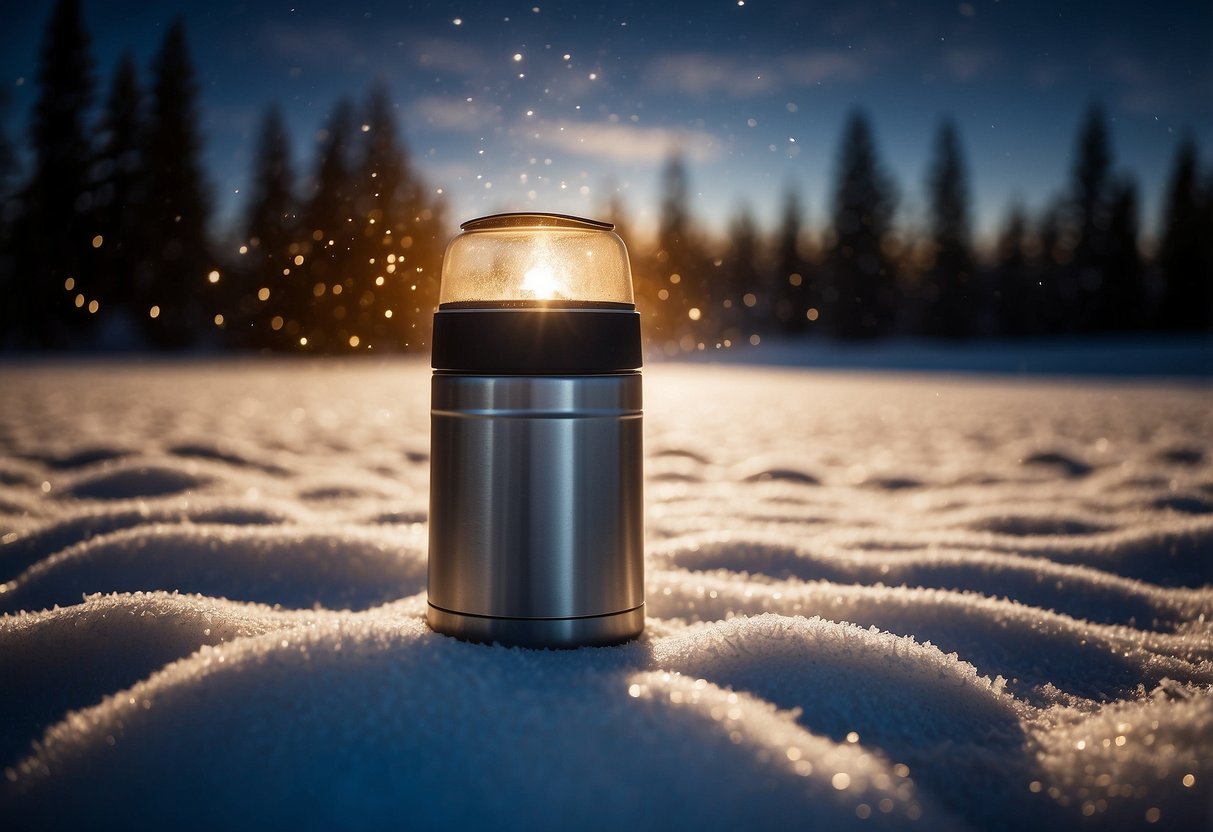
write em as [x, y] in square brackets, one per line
[521, 258]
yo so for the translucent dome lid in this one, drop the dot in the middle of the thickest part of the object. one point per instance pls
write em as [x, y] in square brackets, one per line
[532, 259]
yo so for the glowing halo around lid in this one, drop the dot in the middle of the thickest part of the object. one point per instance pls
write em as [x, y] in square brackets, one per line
[526, 259]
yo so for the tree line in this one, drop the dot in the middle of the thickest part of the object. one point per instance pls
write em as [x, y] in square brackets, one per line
[1078, 268]
[107, 239]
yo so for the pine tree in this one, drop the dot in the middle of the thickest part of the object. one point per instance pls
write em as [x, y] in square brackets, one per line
[1090, 214]
[425, 243]
[274, 292]
[178, 278]
[1122, 297]
[53, 237]
[10, 206]
[119, 190]
[7, 157]
[862, 292]
[383, 278]
[328, 221]
[1051, 298]
[1013, 289]
[8, 160]
[795, 291]
[1184, 253]
[679, 278]
[950, 288]
[741, 296]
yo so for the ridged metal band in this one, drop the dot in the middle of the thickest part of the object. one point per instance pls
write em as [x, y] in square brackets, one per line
[556, 633]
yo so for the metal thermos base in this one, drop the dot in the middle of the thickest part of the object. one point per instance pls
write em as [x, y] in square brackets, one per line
[536, 509]
[593, 631]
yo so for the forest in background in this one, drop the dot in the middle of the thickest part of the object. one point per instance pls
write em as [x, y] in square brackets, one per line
[107, 240]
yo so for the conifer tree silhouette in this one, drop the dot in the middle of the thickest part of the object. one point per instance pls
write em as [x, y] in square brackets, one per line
[119, 191]
[951, 293]
[795, 289]
[329, 227]
[740, 296]
[10, 207]
[862, 294]
[176, 274]
[1185, 254]
[273, 291]
[1120, 303]
[678, 271]
[1051, 299]
[383, 278]
[54, 290]
[1013, 293]
[1089, 217]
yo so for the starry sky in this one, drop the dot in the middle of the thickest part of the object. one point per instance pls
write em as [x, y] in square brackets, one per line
[552, 106]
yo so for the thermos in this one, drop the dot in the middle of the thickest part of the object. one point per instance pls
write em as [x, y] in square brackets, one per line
[536, 469]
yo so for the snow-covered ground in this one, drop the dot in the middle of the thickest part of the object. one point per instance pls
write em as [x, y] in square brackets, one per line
[873, 599]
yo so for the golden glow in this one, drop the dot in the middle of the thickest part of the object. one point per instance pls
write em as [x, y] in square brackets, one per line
[154, 312]
[354, 341]
[542, 282]
[213, 277]
[97, 241]
[263, 293]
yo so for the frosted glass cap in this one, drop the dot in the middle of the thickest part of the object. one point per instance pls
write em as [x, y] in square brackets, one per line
[533, 259]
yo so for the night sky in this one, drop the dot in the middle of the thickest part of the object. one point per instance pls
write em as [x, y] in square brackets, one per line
[549, 106]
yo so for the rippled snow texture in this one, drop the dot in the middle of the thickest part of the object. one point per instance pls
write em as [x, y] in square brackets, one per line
[875, 601]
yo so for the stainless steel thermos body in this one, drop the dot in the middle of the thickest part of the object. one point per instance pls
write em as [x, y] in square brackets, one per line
[536, 471]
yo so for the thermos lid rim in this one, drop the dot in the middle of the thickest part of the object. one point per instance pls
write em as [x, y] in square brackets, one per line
[534, 219]
[553, 305]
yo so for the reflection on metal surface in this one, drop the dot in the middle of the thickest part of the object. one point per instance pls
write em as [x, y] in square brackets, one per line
[536, 497]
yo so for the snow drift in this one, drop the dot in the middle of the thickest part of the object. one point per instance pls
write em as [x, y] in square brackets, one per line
[874, 601]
